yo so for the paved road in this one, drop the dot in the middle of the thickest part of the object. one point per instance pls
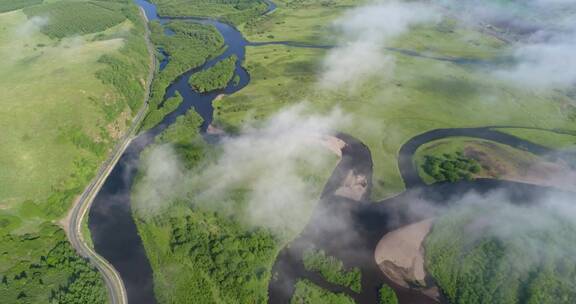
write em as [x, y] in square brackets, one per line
[113, 281]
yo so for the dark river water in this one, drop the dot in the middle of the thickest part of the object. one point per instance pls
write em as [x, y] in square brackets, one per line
[116, 238]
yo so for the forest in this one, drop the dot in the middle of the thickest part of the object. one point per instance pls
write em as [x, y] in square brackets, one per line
[81, 68]
[386, 295]
[220, 259]
[332, 269]
[450, 167]
[216, 77]
[478, 254]
[56, 275]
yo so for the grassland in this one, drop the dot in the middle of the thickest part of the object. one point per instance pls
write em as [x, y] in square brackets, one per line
[10, 5]
[232, 11]
[546, 138]
[421, 94]
[68, 18]
[69, 90]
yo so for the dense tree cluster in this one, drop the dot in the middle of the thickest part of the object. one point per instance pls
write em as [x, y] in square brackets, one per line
[57, 276]
[450, 167]
[307, 292]
[332, 269]
[494, 264]
[216, 77]
[218, 257]
[386, 295]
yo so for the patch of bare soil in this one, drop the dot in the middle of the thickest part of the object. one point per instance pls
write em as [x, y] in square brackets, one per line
[400, 256]
[212, 130]
[531, 169]
[354, 186]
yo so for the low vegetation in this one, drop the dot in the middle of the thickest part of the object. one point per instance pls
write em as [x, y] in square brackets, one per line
[307, 292]
[10, 5]
[232, 11]
[450, 167]
[66, 18]
[216, 77]
[386, 295]
[332, 269]
[483, 254]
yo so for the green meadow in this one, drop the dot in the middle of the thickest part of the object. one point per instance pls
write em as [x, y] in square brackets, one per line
[420, 94]
[72, 77]
[232, 11]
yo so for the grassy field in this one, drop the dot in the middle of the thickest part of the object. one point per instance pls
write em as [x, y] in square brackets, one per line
[422, 94]
[546, 138]
[69, 90]
[232, 11]
[10, 5]
[304, 21]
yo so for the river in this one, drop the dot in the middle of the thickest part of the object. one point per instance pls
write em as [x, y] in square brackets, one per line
[114, 232]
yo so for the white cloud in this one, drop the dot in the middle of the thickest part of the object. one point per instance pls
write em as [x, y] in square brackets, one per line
[365, 32]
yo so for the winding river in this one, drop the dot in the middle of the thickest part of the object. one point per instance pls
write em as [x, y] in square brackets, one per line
[114, 232]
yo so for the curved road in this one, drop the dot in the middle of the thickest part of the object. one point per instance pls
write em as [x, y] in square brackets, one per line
[114, 284]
